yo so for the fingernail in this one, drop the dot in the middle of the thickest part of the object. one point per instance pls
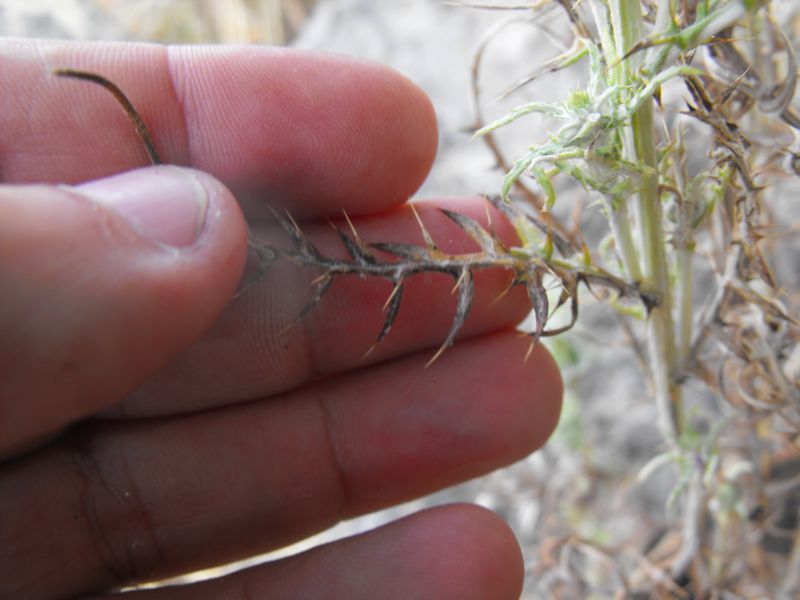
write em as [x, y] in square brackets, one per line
[164, 204]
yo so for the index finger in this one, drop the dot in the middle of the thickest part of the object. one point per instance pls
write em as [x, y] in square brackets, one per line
[310, 132]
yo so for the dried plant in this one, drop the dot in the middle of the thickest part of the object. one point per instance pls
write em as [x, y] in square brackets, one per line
[670, 217]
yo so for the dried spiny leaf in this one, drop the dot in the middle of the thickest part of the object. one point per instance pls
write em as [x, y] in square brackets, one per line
[488, 243]
[392, 307]
[409, 251]
[466, 291]
[299, 240]
[566, 295]
[358, 252]
[323, 283]
[411, 259]
[538, 297]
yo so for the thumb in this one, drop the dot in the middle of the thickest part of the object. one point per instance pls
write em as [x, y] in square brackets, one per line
[101, 284]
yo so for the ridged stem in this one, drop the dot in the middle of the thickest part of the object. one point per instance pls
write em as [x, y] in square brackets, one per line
[640, 147]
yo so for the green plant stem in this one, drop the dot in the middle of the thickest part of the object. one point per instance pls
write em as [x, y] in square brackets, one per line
[616, 208]
[683, 242]
[620, 223]
[661, 334]
[685, 308]
[640, 146]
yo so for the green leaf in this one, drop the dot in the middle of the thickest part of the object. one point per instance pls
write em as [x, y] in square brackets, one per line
[519, 167]
[547, 185]
[552, 110]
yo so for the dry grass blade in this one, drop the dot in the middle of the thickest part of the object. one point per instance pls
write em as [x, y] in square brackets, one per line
[489, 139]
[122, 99]
[554, 65]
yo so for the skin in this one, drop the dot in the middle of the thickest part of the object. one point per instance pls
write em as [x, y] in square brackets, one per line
[154, 426]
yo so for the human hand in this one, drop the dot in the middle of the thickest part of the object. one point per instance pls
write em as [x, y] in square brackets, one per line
[150, 426]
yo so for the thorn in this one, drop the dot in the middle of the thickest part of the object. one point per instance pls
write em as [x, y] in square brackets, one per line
[292, 221]
[395, 289]
[425, 233]
[459, 280]
[439, 352]
[368, 352]
[318, 279]
[489, 223]
[530, 350]
[504, 293]
[352, 227]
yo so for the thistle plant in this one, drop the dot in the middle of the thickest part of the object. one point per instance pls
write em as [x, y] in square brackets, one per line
[736, 73]
[626, 141]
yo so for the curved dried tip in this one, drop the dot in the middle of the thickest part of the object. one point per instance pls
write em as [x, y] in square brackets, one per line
[541, 305]
[466, 291]
[122, 99]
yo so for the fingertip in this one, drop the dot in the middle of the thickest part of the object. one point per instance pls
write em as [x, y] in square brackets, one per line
[311, 132]
[547, 388]
[476, 551]
[514, 393]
